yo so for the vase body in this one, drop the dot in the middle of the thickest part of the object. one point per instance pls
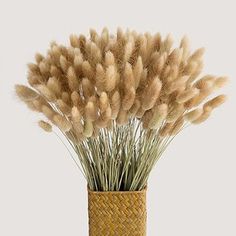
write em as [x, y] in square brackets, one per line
[117, 213]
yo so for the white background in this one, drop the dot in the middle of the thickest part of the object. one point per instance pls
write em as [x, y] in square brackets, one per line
[192, 190]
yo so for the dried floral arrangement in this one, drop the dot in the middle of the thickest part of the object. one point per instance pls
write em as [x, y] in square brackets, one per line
[119, 100]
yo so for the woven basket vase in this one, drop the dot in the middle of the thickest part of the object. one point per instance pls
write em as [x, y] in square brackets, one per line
[117, 213]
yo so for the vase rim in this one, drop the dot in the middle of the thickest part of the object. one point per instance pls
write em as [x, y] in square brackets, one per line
[117, 192]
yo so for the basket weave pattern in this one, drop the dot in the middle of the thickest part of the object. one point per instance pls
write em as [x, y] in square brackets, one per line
[117, 213]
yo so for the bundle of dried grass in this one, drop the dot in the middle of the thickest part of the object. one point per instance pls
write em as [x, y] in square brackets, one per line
[119, 100]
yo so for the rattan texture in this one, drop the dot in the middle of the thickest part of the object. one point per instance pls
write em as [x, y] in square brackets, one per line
[117, 213]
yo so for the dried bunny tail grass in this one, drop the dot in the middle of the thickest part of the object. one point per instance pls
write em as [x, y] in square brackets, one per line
[64, 64]
[140, 112]
[128, 76]
[54, 85]
[109, 59]
[175, 85]
[147, 118]
[187, 95]
[110, 78]
[39, 57]
[135, 107]
[88, 129]
[115, 104]
[74, 41]
[88, 88]
[151, 94]
[33, 68]
[128, 99]
[122, 117]
[100, 78]
[204, 116]
[205, 82]
[175, 112]
[45, 126]
[48, 112]
[137, 71]
[159, 115]
[197, 55]
[73, 81]
[204, 92]
[167, 43]
[76, 99]
[107, 93]
[25, 93]
[104, 118]
[77, 119]
[128, 49]
[38, 103]
[190, 68]
[62, 123]
[46, 92]
[44, 68]
[175, 57]
[103, 102]
[184, 44]
[87, 70]
[193, 115]
[220, 82]
[215, 102]
[90, 112]
[55, 71]
[65, 96]
[63, 107]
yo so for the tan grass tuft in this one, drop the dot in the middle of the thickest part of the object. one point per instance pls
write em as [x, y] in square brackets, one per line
[159, 115]
[45, 126]
[62, 122]
[215, 102]
[46, 92]
[25, 93]
[151, 94]
[115, 104]
[187, 95]
[204, 116]
[73, 81]
[90, 111]
[221, 82]
[194, 114]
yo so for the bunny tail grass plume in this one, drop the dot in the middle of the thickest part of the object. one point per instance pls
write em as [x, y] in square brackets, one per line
[119, 100]
[221, 82]
[25, 93]
[45, 126]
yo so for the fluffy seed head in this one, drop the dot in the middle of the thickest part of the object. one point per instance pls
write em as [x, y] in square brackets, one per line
[88, 129]
[25, 93]
[151, 93]
[204, 116]
[159, 115]
[46, 92]
[90, 111]
[187, 95]
[62, 123]
[194, 114]
[221, 82]
[45, 126]
[72, 79]
[115, 104]
[215, 102]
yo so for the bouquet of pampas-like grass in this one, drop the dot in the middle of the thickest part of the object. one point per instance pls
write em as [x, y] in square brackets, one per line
[119, 100]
